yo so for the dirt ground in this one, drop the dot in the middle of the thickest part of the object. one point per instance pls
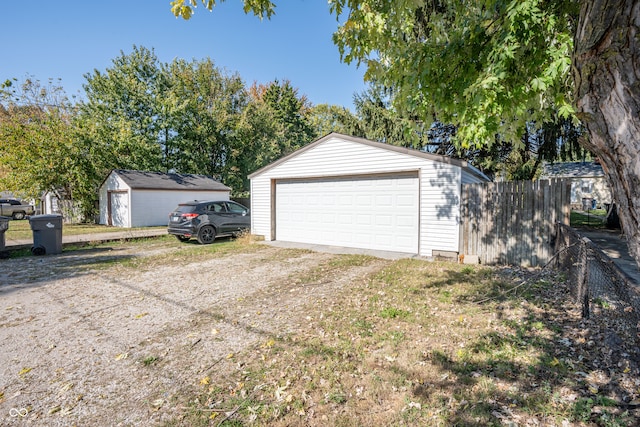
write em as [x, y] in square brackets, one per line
[89, 341]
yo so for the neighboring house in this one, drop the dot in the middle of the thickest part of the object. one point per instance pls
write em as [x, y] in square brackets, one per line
[54, 203]
[139, 199]
[587, 181]
[50, 203]
[346, 191]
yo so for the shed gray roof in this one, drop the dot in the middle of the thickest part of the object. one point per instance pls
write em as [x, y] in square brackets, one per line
[169, 181]
[573, 170]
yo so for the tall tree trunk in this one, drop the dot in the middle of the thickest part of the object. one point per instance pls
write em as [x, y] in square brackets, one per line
[606, 70]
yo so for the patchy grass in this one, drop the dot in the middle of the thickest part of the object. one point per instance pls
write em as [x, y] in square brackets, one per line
[144, 254]
[417, 343]
[22, 229]
[591, 219]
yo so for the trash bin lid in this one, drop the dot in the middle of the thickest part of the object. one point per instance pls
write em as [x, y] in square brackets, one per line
[45, 217]
[44, 222]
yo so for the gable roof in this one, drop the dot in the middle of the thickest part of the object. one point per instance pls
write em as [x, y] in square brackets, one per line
[408, 151]
[168, 181]
[573, 170]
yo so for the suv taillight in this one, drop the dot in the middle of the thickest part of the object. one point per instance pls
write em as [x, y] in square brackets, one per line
[189, 215]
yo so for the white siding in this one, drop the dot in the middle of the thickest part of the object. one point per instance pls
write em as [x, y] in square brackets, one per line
[595, 188]
[471, 178]
[112, 183]
[440, 185]
[261, 207]
[152, 207]
[440, 208]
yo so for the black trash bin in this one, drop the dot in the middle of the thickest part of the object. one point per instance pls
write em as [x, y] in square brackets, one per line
[4, 226]
[47, 234]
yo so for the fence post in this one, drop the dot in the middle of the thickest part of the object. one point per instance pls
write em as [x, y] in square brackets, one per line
[583, 277]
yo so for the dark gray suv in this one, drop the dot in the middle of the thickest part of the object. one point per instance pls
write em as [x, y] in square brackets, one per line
[206, 220]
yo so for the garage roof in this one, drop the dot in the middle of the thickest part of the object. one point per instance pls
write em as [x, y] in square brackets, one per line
[169, 181]
[408, 151]
[573, 170]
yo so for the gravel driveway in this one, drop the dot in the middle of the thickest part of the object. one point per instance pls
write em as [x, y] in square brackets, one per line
[93, 338]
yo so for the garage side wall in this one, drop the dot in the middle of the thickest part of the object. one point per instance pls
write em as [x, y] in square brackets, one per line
[152, 207]
[440, 185]
[440, 206]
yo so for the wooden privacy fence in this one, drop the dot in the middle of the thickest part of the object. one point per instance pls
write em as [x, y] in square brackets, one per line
[512, 223]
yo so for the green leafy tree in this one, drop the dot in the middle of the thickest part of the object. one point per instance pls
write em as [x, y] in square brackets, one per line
[275, 122]
[204, 107]
[492, 67]
[290, 112]
[325, 118]
[39, 146]
[380, 121]
[123, 112]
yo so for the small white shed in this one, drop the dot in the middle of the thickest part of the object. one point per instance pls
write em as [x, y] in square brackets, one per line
[131, 198]
[346, 191]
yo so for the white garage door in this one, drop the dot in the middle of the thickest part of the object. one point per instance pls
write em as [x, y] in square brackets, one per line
[358, 212]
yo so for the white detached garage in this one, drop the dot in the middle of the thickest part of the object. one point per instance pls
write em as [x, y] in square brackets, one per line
[346, 191]
[130, 198]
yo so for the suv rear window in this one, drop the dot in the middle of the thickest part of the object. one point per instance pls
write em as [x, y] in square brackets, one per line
[185, 208]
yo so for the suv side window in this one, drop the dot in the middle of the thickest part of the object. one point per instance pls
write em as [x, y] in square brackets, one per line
[216, 207]
[236, 208]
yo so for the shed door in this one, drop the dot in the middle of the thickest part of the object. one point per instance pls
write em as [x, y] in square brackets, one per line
[380, 212]
[119, 208]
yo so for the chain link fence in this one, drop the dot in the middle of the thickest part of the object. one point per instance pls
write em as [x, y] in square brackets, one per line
[595, 281]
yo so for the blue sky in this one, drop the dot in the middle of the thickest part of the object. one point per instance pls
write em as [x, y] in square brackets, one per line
[52, 39]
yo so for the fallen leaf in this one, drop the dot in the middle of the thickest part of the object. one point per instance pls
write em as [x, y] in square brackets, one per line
[24, 371]
[205, 381]
[270, 343]
[122, 356]
[230, 355]
[66, 387]
[141, 315]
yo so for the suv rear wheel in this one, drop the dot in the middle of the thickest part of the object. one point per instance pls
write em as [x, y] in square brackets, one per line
[206, 235]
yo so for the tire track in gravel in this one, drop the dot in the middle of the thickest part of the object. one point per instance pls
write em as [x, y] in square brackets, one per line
[122, 346]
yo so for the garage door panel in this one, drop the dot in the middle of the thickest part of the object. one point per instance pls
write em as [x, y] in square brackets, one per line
[376, 213]
[345, 219]
[403, 200]
[384, 220]
[364, 219]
